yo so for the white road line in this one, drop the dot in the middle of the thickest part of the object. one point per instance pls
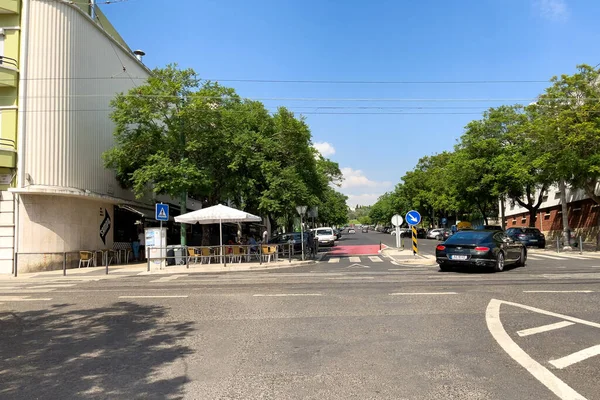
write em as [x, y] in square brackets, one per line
[544, 328]
[421, 294]
[576, 357]
[52, 286]
[21, 298]
[541, 373]
[334, 260]
[375, 259]
[558, 291]
[354, 259]
[550, 257]
[352, 278]
[153, 297]
[287, 295]
[394, 262]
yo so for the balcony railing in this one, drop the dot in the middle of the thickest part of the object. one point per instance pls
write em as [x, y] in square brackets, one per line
[9, 61]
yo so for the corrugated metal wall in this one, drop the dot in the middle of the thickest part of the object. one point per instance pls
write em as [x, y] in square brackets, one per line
[67, 106]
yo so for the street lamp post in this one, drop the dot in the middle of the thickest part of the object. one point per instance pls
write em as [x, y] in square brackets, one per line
[301, 210]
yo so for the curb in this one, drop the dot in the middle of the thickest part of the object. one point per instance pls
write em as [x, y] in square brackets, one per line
[225, 269]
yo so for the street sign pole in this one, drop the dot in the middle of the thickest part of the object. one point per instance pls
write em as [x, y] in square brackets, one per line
[397, 221]
[301, 210]
[415, 248]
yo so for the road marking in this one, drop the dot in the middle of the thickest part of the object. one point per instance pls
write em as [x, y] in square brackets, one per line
[394, 262]
[544, 328]
[154, 297]
[334, 260]
[421, 294]
[169, 278]
[375, 259]
[541, 373]
[287, 295]
[549, 257]
[354, 259]
[357, 266]
[64, 285]
[352, 278]
[558, 291]
[576, 357]
[22, 298]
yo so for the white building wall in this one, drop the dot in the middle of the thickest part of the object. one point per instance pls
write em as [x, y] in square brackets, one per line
[553, 199]
[67, 124]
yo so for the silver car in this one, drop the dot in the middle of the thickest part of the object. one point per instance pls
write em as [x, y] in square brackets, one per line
[435, 233]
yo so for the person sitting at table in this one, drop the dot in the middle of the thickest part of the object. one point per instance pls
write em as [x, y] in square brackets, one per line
[253, 244]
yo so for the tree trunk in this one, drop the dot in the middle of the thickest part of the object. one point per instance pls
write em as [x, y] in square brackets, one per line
[566, 233]
[532, 217]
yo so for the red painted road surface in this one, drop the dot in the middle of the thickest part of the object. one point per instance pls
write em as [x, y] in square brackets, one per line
[363, 250]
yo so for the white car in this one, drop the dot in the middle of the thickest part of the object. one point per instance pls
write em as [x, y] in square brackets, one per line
[351, 230]
[326, 236]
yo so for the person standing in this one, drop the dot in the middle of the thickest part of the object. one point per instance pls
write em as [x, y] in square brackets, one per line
[142, 240]
[265, 236]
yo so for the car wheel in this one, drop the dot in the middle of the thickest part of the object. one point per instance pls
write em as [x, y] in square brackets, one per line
[499, 267]
[445, 267]
[522, 259]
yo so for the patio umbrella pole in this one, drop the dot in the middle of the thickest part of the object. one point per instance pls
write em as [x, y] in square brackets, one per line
[221, 242]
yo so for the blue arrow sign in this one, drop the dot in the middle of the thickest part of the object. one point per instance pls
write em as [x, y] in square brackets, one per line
[162, 212]
[413, 217]
[444, 220]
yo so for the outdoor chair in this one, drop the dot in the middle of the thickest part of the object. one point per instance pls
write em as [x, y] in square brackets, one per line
[268, 252]
[85, 258]
[205, 254]
[237, 254]
[192, 255]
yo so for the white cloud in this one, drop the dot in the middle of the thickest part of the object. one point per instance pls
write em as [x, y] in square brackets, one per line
[355, 178]
[365, 199]
[326, 149]
[554, 10]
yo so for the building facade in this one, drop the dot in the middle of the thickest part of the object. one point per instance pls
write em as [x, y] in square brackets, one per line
[62, 63]
[583, 214]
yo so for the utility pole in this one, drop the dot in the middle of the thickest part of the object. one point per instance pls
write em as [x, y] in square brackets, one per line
[183, 199]
[562, 187]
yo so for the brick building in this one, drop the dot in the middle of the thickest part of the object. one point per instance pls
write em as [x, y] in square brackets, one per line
[583, 214]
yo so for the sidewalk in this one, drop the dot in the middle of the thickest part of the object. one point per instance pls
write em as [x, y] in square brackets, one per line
[406, 257]
[119, 271]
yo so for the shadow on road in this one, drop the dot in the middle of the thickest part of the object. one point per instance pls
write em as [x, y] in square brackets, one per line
[96, 353]
[477, 270]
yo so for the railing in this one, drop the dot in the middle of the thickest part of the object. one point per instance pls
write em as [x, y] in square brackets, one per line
[8, 61]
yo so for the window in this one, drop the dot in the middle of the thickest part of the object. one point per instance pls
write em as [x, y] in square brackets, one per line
[547, 215]
[557, 195]
[576, 209]
[514, 221]
[512, 206]
[545, 198]
[523, 219]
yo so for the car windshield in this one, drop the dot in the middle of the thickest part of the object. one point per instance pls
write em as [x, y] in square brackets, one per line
[473, 237]
[532, 230]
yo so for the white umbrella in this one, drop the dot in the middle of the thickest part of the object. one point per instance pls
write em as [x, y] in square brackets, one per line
[217, 215]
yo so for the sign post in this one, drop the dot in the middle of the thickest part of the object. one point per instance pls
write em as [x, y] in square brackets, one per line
[413, 218]
[161, 213]
[301, 210]
[397, 221]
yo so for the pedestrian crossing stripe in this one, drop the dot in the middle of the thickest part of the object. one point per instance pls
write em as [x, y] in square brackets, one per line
[353, 259]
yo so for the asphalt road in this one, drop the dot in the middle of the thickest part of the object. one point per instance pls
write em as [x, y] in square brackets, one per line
[426, 246]
[333, 330]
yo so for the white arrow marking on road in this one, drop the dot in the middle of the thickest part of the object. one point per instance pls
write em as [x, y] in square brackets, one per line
[357, 266]
[541, 373]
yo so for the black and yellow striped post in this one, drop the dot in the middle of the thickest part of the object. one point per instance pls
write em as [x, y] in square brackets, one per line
[415, 246]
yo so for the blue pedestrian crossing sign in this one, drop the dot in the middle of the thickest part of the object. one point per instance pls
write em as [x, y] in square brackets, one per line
[413, 217]
[162, 212]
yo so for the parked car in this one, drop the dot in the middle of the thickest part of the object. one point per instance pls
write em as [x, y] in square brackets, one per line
[351, 230]
[365, 229]
[294, 238]
[421, 233]
[480, 248]
[527, 236]
[325, 235]
[434, 233]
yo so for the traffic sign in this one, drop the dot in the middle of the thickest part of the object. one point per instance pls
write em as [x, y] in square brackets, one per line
[161, 212]
[413, 217]
[397, 220]
[444, 220]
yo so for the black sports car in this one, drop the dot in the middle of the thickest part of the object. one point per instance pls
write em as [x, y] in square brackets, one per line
[480, 248]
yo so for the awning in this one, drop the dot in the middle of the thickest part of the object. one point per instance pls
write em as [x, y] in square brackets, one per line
[140, 211]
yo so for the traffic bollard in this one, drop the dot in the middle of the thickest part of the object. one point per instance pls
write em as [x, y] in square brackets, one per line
[64, 264]
[558, 245]
[580, 245]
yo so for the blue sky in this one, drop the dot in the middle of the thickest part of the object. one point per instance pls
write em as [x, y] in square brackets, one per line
[401, 40]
